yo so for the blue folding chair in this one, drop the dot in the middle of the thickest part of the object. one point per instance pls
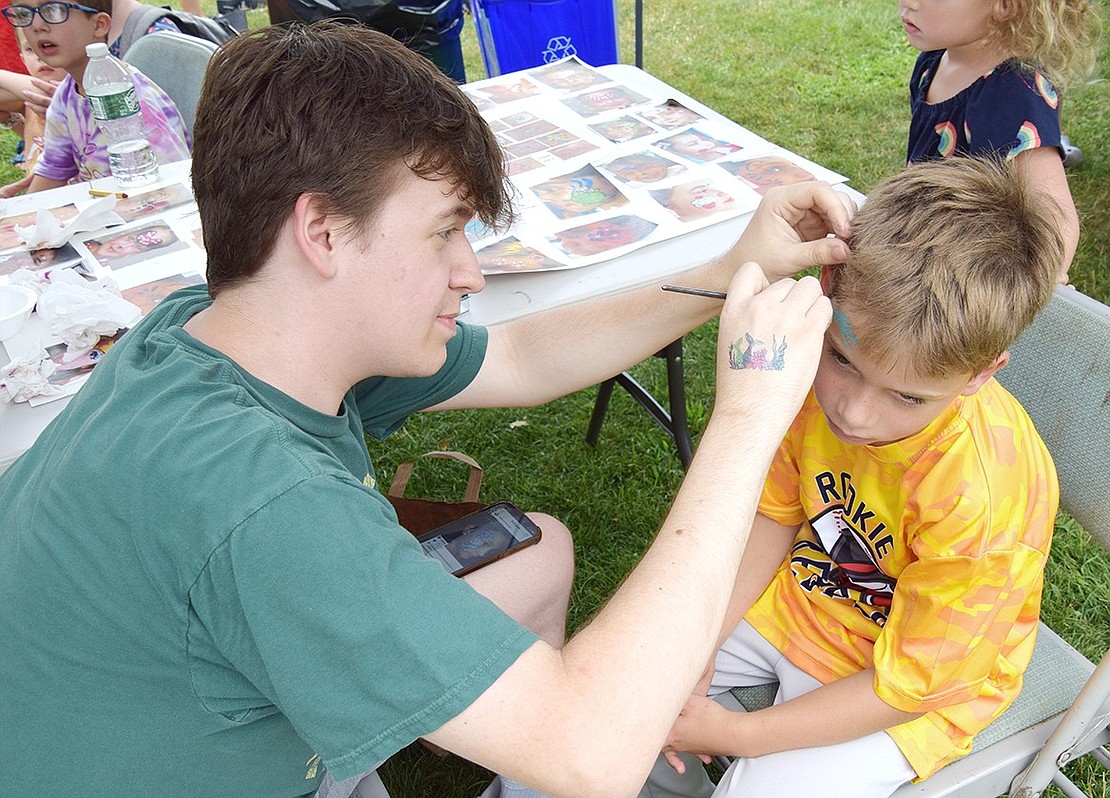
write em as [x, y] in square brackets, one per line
[520, 34]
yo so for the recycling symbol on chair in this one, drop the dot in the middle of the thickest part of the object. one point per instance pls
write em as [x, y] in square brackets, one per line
[558, 47]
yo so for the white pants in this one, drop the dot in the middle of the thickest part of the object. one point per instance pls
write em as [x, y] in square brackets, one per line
[868, 767]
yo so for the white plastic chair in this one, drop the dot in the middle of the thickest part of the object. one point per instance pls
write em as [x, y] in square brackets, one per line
[177, 63]
[1060, 372]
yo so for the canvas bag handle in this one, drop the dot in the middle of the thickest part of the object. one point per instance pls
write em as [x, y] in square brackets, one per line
[404, 471]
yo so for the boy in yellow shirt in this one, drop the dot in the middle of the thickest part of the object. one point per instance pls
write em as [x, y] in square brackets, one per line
[896, 563]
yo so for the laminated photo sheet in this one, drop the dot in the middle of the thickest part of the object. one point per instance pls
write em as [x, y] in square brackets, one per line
[160, 240]
[152, 207]
[15, 255]
[151, 256]
[602, 169]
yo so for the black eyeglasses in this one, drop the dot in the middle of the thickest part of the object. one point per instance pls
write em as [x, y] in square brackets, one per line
[52, 13]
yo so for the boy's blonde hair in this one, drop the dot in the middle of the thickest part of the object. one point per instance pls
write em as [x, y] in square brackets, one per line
[1058, 37]
[951, 260]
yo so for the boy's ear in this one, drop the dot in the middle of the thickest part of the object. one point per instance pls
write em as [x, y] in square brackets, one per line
[826, 278]
[979, 379]
[103, 23]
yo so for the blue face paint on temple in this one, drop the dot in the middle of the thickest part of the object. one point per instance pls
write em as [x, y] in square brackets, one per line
[845, 328]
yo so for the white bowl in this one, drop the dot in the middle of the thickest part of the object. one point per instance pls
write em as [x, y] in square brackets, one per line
[16, 303]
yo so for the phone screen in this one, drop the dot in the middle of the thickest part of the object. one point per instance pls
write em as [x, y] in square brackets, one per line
[474, 540]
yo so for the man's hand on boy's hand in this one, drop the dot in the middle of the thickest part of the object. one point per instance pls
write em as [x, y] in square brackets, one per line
[39, 99]
[769, 343]
[788, 231]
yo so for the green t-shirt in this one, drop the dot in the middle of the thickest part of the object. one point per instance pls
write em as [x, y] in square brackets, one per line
[201, 588]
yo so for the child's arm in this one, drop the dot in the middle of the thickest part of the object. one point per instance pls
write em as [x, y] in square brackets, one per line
[12, 85]
[12, 189]
[40, 183]
[767, 546]
[844, 710]
[1043, 171]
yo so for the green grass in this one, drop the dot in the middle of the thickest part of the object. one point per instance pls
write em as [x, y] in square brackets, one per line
[826, 79]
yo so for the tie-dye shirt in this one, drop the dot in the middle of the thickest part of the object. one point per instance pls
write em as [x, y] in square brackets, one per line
[74, 146]
[922, 558]
[1007, 111]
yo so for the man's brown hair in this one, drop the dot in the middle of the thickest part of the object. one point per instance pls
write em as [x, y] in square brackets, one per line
[951, 260]
[335, 110]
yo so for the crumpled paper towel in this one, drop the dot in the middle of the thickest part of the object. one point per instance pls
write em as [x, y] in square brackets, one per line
[48, 233]
[28, 377]
[80, 312]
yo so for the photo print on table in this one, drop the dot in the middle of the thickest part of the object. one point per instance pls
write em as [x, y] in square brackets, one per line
[670, 115]
[696, 146]
[578, 193]
[603, 235]
[10, 238]
[766, 172]
[526, 140]
[139, 206]
[63, 257]
[573, 149]
[147, 295]
[570, 75]
[125, 247]
[643, 168]
[696, 200]
[622, 129]
[510, 255]
[501, 93]
[614, 98]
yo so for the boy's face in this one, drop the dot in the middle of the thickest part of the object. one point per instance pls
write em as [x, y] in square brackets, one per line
[869, 404]
[62, 45]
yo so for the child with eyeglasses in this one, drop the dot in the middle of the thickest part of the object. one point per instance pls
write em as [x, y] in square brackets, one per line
[75, 148]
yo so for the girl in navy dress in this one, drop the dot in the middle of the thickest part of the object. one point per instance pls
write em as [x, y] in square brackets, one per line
[987, 83]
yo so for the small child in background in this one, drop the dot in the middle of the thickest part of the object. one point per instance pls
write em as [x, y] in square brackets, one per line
[32, 127]
[75, 147]
[986, 82]
[892, 580]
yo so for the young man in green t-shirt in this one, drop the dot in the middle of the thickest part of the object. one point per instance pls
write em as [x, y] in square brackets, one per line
[237, 609]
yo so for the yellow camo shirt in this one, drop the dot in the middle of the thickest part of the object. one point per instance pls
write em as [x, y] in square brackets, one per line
[923, 558]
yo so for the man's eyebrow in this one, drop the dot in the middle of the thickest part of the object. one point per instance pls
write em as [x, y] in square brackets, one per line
[458, 212]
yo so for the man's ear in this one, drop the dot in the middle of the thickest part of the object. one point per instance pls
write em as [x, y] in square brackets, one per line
[979, 379]
[315, 230]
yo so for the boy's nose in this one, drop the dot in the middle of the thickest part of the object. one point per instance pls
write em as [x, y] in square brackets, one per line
[857, 412]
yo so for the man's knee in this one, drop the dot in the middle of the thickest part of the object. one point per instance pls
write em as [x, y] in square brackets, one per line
[533, 585]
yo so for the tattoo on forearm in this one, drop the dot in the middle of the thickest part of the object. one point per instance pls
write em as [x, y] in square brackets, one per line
[754, 354]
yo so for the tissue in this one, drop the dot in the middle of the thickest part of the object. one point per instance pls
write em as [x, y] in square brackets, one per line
[28, 377]
[79, 312]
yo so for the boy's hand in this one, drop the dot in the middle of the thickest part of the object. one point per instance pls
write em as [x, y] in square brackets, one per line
[704, 728]
[769, 343]
[39, 99]
[788, 232]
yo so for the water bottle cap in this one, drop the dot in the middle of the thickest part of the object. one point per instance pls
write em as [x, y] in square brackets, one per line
[96, 49]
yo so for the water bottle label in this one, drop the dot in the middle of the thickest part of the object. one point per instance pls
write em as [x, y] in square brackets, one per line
[107, 107]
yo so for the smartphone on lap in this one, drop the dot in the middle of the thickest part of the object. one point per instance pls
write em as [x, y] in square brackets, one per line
[482, 537]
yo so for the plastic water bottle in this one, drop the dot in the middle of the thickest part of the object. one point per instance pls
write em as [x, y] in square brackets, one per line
[115, 106]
